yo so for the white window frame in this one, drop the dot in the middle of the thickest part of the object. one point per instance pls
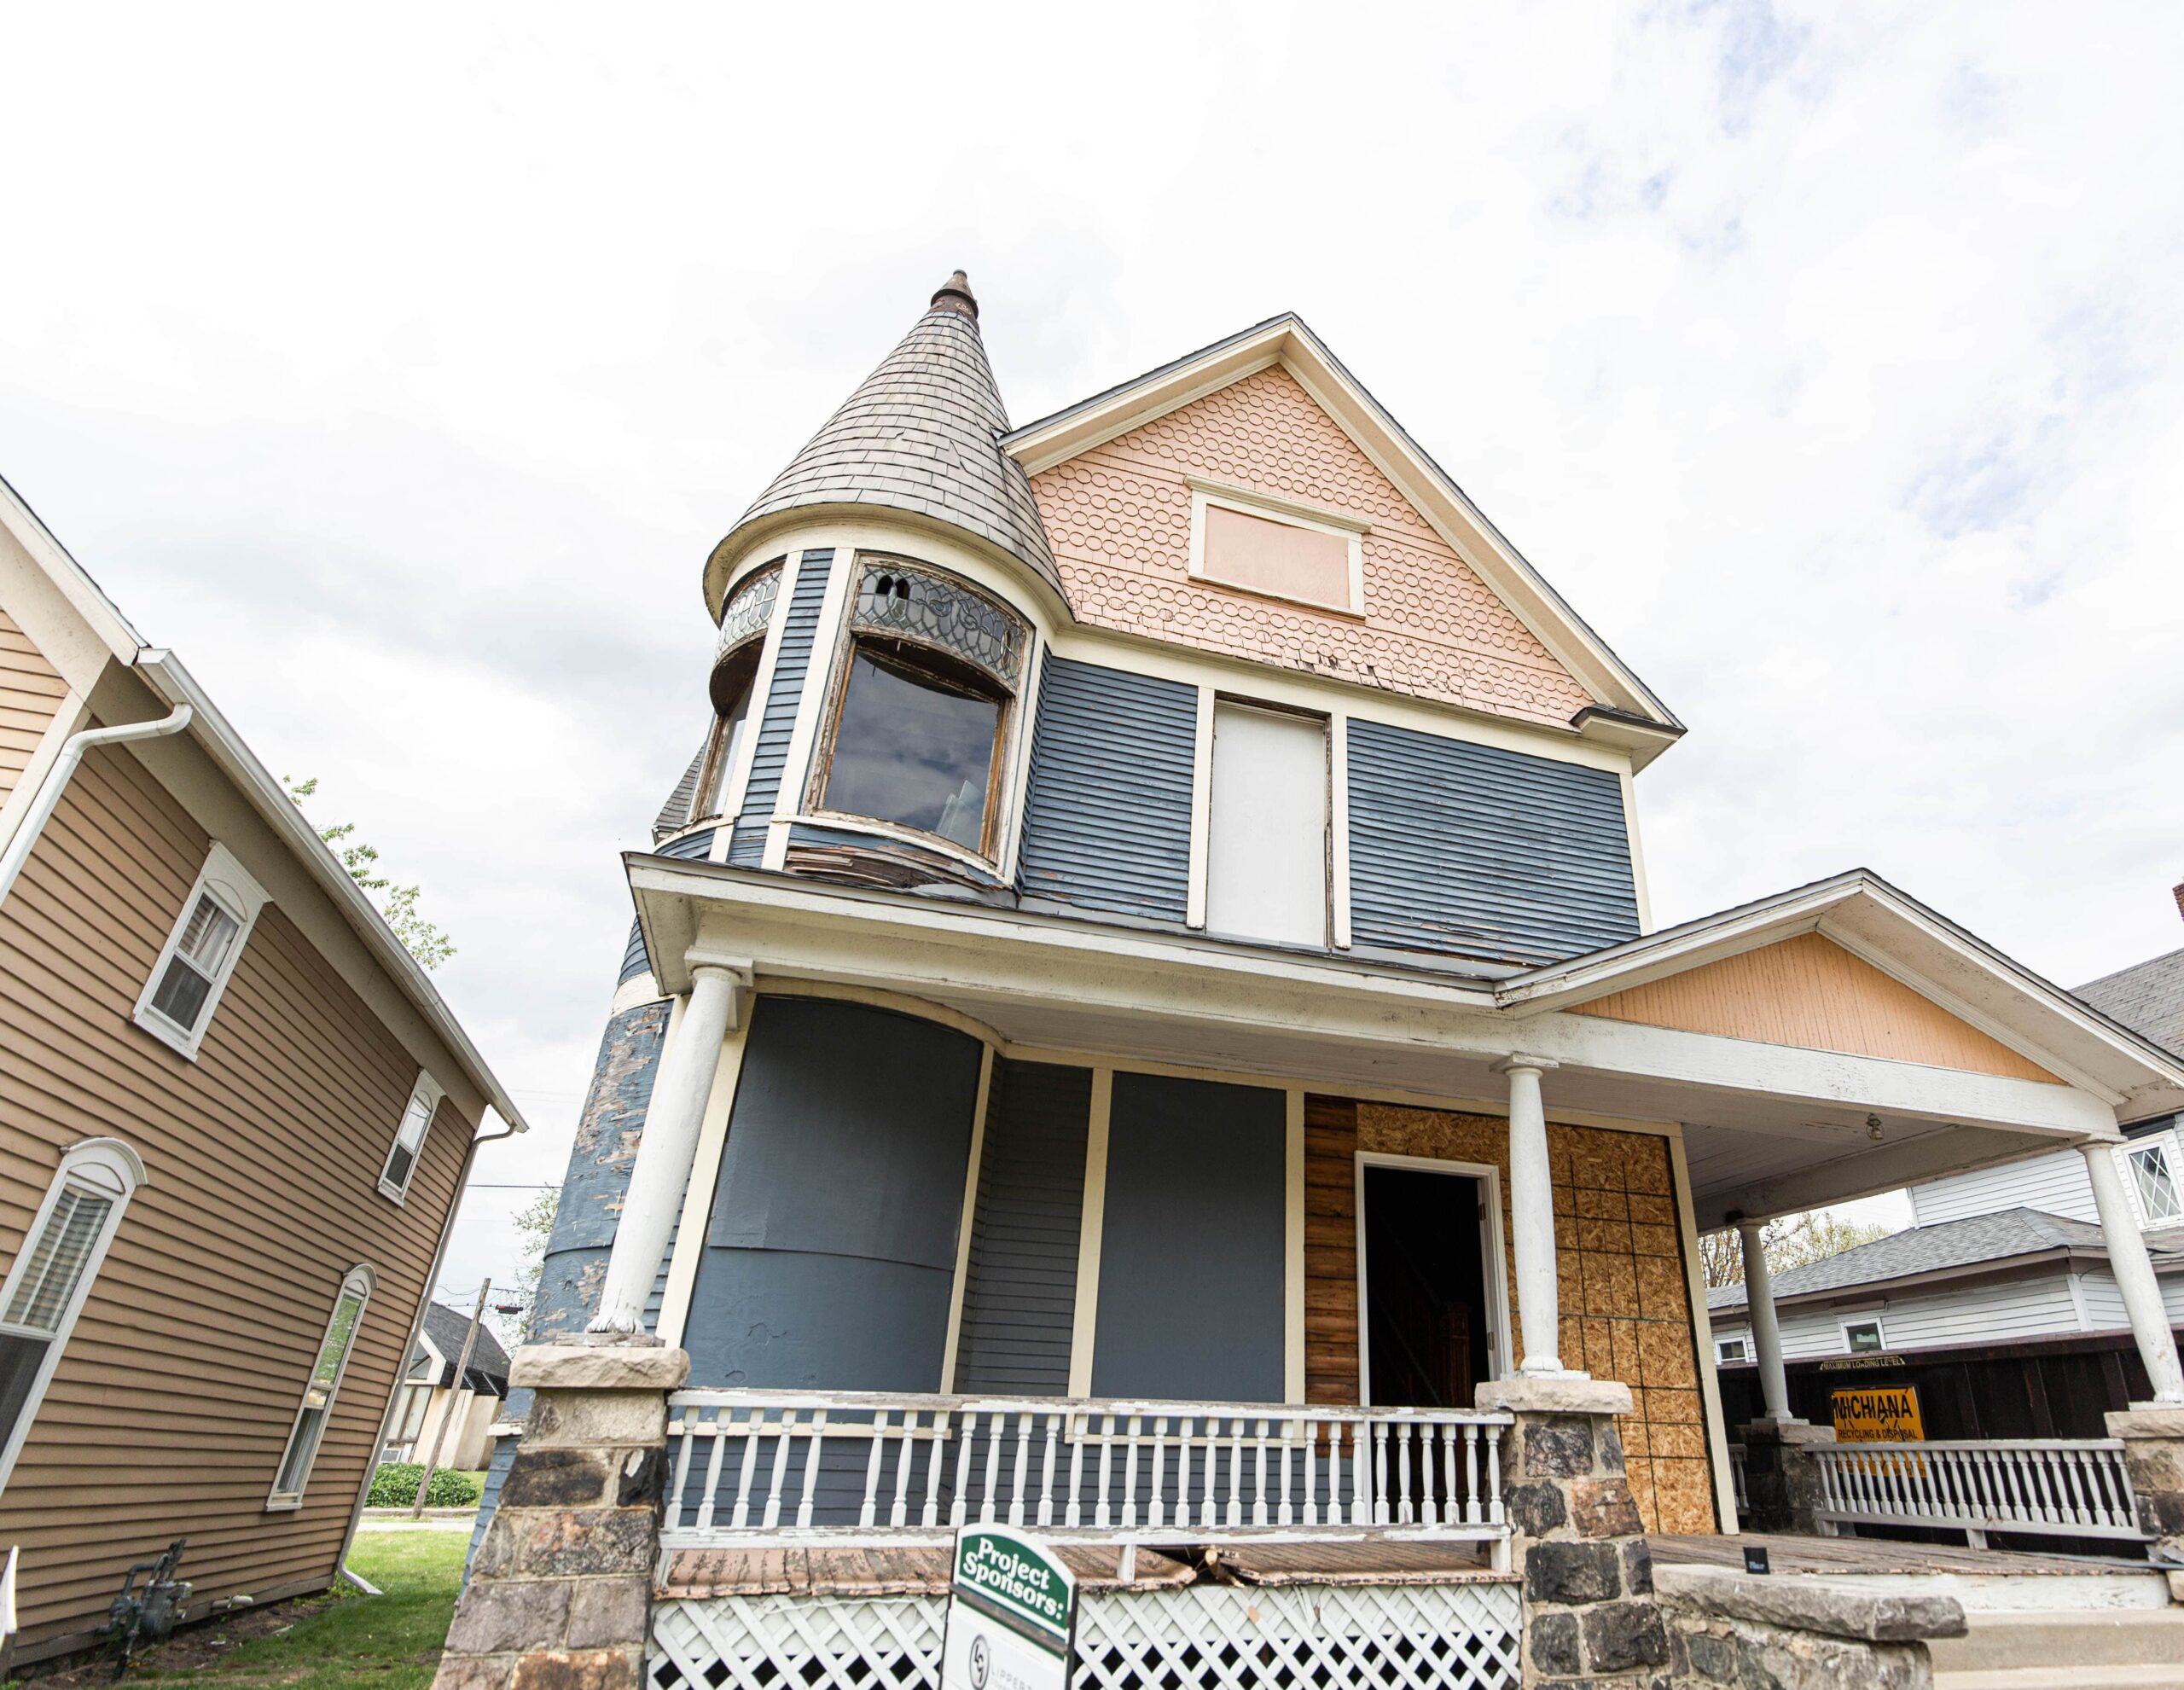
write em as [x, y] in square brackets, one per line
[361, 1280]
[116, 1171]
[1290, 515]
[429, 1092]
[1722, 1358]
[1493, 1248]
[2166, 1143]
[232, 886]
[1879, 1332]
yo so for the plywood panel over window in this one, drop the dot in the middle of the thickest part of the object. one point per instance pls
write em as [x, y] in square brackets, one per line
[1626, 1310]
[1266, 845]
[1285, 559]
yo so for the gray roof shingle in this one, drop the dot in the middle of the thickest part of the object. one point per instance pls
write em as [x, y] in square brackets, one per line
[922, 434]
[447, 1328]
[1967, 1243]
[2147, 998]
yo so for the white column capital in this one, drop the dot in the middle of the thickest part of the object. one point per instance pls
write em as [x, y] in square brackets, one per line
[1515, 1062]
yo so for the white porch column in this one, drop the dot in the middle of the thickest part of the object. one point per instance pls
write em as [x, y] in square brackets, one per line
[666, 1149]
[2134, 1276]
[1766, 1334]
[1531, 1214]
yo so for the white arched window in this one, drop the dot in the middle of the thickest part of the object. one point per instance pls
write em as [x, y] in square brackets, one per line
[52, 1275]
[319, 1390]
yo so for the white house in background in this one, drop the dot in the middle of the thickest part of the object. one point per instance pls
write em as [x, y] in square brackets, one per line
[430, 1391]
[2011, 1254]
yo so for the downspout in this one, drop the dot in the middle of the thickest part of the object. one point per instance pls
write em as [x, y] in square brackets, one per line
[417, 1326]
[19, 849]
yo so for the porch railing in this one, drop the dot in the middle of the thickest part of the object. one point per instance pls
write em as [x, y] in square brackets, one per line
[2051, 1487]
[762, 1464]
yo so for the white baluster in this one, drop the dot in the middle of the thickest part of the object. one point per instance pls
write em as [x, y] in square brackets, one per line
[1493, 1475]
[944, 1422]
[1235, 1471]
[1103, 1519]
[867, 1514]
[1023, 1468]
[1402, 1434]
[743, 1478]
[1470, 1476]
[784, 1427]
[1080, 1431]
[1132, 1433]
[1156, 1506]
[706, 1504]
[1258, 1462]
[811, 1468]
[966, 1433]
[1047, 1473]
[899, 1514]
[996, 1425]
[688, 1440]
[1381, 1472]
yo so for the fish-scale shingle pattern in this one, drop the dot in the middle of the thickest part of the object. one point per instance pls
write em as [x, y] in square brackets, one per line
[919, 435]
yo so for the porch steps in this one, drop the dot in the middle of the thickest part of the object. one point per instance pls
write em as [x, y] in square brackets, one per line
[2084, 1648]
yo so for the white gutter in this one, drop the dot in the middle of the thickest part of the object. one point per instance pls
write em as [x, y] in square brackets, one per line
[19, 849]
[416, 1329]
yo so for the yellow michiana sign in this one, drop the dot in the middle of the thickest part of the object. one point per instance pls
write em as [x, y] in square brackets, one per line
[1885, 1414]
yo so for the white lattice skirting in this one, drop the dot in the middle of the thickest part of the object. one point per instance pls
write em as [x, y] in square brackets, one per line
[1304, 1637]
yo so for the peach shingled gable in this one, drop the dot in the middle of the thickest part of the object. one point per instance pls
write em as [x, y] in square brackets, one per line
[1119, 518]
[1810, 992]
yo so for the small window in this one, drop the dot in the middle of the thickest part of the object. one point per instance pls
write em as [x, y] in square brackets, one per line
[52, 1276]
[410, 1137]
[1266, 850]
[1731, 1349]
[319, 1390]
[1862, 1338]
[1271, 547]
[178, 1000]
[2153, 1178]
[920, 726]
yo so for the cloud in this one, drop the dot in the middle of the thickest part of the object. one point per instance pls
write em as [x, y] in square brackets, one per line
[1828, 358]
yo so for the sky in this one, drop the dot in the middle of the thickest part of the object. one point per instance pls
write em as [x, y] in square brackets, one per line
[400, 368]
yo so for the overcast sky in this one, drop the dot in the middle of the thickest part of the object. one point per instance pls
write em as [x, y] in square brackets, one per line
[400, 367]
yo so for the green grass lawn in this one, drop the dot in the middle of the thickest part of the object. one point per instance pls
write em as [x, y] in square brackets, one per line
[391, 1642]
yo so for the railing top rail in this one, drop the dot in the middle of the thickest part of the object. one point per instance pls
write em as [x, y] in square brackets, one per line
[1941, 1446]
[1146, 1409]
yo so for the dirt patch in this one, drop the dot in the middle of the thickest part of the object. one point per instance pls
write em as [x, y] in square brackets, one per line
[200, 1647]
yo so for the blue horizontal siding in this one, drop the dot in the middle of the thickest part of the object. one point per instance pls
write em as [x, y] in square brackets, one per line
[770, 756]
[634, 961]
[691, 847]
[1107, 818]
[1478, 851]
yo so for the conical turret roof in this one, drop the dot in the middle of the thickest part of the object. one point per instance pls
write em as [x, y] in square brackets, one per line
[921, 434]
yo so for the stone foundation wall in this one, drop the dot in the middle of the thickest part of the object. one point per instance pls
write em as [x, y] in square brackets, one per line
[1734, 1631]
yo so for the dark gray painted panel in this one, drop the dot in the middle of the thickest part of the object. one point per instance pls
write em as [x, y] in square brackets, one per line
[788, 1320]
[1020, 1294]
[1191, 1251]
[1483, 852]
[1107, 817]
[831, 1248]
[771, 752]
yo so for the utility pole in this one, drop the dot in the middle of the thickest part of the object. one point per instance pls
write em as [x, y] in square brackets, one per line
[462, 1374]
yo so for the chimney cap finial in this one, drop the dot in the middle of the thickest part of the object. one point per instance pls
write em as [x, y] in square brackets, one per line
[954, 294]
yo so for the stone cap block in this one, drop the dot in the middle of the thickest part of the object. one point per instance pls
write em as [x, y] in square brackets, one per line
[599, 1367]
[1546, 1394]
[2146, 1419]
[1785, 1431]
[1800, 1602]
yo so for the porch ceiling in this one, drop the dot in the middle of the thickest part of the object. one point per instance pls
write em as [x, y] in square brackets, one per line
[1768, 1128]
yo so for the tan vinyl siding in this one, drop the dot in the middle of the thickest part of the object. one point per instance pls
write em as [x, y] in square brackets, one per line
[173, 1402]
[1810, 992]
[31, 692]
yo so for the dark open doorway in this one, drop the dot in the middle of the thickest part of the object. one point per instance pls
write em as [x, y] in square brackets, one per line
[1427, 1324]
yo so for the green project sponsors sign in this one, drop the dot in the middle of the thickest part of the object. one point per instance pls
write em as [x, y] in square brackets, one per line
[1011, 1614]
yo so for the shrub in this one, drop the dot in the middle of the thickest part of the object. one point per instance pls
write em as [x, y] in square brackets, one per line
[395, 1486]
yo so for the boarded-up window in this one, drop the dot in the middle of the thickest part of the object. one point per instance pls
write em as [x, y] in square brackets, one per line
[1284, 558]
[1266, 838]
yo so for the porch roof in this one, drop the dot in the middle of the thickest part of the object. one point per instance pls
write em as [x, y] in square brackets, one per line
[1769, 1129]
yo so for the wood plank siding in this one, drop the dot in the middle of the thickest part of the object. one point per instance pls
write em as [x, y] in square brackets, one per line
[174, 1399]
[1626, 1303]
[1810, 992]
[31, 694]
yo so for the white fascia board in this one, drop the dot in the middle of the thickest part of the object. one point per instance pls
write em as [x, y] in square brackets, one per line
[163, 672]
[952, 953]
[84, 596]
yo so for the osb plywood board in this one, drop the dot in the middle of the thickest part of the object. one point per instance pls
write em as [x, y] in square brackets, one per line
[1810, 992]
[1626, 1310]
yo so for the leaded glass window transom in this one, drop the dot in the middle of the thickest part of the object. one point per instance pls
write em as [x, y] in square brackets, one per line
[968, 625]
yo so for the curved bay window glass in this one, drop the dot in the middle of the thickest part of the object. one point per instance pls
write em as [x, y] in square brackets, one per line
[926, 701]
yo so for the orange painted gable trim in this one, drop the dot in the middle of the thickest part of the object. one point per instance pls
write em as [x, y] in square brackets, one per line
[1810, 992]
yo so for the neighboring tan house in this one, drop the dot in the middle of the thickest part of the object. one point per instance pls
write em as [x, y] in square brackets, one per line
[430, 1392]
[235, 1118]
[1997, 1305]
[1156, 916]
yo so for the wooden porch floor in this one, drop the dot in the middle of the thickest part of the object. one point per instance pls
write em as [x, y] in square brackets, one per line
[1852, 1555]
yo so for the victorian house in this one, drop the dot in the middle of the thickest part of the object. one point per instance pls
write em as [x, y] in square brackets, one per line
[1144, 1016]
